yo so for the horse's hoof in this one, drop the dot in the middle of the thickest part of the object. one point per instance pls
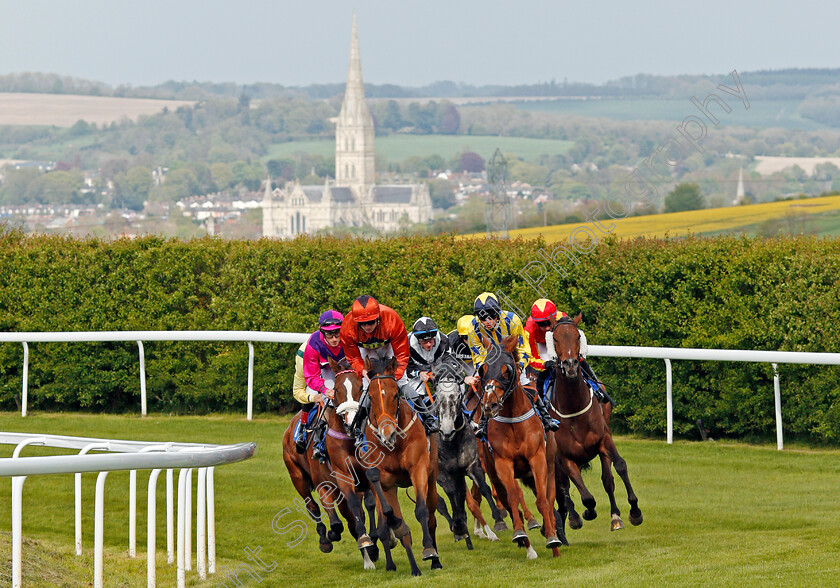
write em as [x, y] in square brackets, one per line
[589, 514]
[416, 573]
[616, 524]
[325, 547]
[333, 536]
[563, 540]
[364, 542]
[436, 565]
[373, 553]
[533, 524]
[394, 541]
[634, 519]
[430, 553]
[460, 536]
[519, 535]
[532, 554]
[575, 522]
[391, 567]
[469, 543]
[500, 526]
[552, 542]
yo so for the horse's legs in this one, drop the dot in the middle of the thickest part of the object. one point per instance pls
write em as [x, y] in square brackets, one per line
[330, 502]
[544, 490]
[609, 486]
[303, 484]
[573, 471]
[446, 482]
[510, 493]
[370, 506]
[357, 526]
[528, 516]
[477, 474]
[402, 532]
[420, 481]
[432, 501]
[386, 517]
[564, 484]
[621, 467]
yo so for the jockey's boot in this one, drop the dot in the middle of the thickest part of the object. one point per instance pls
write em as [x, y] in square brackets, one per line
[300, 438]
[549, 423]
[319, 449]
[600, 392]
[427, 415]
[357, 429]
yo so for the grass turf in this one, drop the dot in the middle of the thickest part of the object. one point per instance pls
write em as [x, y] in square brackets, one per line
[719, 513]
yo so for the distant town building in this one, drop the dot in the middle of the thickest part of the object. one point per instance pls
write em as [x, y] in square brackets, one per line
[353, 199]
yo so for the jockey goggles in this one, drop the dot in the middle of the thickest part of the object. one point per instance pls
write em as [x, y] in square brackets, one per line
[487, 315]
[543, 324]
[330, 325]
[423, 335]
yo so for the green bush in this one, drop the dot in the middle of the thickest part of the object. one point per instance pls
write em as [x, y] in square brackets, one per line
[730, 293]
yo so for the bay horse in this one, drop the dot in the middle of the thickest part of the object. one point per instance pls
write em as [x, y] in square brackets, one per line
[458, 458]
[517, 446]
[346, 468]
[308, 474]
[404, 456]
[584, 428]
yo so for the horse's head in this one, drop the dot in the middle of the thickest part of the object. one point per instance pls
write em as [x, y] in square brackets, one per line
[566, 346]
[384, 397]
[348, 390]
[449, 397]
[499, 374]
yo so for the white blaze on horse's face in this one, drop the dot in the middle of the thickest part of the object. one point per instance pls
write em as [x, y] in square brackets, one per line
[448, 395]
[348, 391]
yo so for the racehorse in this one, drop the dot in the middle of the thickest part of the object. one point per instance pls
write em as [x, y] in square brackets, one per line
[347, 472]
[584, 428]
[516, 443]
[404, 456]
[458, 458]
[308, 474]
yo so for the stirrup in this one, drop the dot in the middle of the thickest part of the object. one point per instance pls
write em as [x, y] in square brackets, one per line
[318, 453]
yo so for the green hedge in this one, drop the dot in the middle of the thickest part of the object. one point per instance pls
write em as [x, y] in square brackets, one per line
[726, 292]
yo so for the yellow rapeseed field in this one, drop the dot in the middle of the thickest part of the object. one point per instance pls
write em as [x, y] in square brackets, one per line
[677, 224]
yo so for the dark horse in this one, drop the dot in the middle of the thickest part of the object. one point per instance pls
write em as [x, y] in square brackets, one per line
[517, 445]
[584, 430]
[458, 458]
[404, 456]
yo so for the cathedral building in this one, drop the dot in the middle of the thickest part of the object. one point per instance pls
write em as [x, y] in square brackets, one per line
[353, 198]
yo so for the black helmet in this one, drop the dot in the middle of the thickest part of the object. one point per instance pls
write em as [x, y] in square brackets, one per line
[424, 328]
[486, 306]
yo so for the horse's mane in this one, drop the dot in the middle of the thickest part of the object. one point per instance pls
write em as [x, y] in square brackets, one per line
[378, 365]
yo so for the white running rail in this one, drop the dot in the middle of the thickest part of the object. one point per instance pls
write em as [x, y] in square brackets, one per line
[140, 336]
[665, 353]
[133, 456]
[669, 353]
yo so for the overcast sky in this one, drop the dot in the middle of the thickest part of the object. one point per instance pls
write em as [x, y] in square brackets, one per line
[146, 42]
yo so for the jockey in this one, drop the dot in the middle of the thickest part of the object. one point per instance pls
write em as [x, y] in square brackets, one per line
[376, 331]
[537, 326]
[458, 343]
[323, 345]
[427, 347]
[492, 322]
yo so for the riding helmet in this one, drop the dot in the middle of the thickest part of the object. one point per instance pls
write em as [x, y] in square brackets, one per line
[464, 324]
[487, 306]
[543, 309]
[365, 309]
[330, 320]
[425, 328]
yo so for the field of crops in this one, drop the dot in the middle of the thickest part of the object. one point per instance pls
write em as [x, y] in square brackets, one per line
[712, 221]
[396, 148]
[762, 113]
[716, 513]
[64, 110]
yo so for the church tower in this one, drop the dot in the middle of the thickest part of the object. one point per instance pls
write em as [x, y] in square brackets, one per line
[354, 156]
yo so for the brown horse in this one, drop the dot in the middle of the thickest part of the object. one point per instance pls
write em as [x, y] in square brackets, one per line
[346, 469]
[584, 429]
[404, 457]
[518, 447]
[308, 474]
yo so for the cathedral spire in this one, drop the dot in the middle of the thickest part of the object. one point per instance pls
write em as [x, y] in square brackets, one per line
[355, 89]
[354, 133]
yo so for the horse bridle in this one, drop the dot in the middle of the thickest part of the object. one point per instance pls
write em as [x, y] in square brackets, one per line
[397, 419]
[461, 393]
[509, 386]
[347, 370]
